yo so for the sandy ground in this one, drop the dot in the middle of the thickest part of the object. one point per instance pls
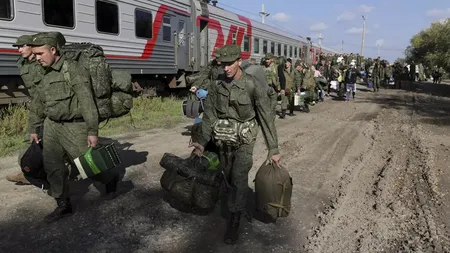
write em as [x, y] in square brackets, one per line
[370, 175]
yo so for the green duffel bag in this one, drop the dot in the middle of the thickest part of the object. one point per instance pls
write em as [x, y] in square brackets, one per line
[273, 191]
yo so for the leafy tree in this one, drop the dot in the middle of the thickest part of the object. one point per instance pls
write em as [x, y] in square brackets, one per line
[431, 46]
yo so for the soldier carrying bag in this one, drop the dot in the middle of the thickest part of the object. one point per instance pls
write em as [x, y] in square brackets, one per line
[273, 191]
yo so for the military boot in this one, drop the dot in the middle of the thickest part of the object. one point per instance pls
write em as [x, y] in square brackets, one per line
[291, 112]
[63, 209]
[283, 114]
[232, 234]
[17, 178]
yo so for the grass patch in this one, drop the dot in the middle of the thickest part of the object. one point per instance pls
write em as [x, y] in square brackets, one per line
[147, 113]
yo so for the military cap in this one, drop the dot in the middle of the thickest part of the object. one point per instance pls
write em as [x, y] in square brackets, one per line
[297, 63]
[269, 56]
[289, 60]
[23, 40]
[228, 53]
[54, 39]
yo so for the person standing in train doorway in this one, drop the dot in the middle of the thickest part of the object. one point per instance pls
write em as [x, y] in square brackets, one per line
[71, 119]
[30, 72]
[237, 102]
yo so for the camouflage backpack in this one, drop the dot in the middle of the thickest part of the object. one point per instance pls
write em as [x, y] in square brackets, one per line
[112, 88]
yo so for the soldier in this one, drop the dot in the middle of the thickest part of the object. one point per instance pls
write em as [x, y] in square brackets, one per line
[203, 79]
[235, 99]
[309, 83]
[376, 73]
[292, 85]
[29, 69]
[272, 79]
[71, 120]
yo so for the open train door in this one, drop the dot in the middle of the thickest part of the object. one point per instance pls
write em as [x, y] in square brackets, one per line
[200, 19]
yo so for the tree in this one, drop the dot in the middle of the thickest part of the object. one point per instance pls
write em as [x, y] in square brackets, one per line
[431, 46]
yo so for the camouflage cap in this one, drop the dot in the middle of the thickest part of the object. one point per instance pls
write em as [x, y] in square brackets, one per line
[23, 40]
[269, 56]
[54, 39]
[228, 53]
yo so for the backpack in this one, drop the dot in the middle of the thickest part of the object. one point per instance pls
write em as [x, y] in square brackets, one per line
[273, 191]
[112, 88]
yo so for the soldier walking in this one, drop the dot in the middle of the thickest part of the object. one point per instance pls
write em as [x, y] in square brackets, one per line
[236, 100]
[70, 121]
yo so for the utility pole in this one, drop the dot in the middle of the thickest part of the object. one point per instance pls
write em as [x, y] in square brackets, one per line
[378, 46]
[320, 40]
[263, 14]
[363, 35]
[342, 47]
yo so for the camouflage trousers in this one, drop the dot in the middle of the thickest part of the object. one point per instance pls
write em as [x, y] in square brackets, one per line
[273, 97]
[60, 139]
[237, 163]
[376, 83]
[287, 99]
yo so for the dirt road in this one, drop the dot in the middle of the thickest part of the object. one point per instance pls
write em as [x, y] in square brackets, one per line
[370, 175]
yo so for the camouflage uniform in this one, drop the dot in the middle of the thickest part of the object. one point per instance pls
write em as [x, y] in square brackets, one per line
[240, 102]
[376, 75]
[273, 82]
[70, 117]
[292, 85]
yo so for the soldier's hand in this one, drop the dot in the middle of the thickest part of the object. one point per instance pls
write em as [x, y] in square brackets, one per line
[198, 149]
[282, 92]
[193, 89]
[92, 141]
[34, 138]
[276, 159]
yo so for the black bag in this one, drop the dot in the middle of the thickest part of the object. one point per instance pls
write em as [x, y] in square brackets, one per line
[191, 182]
[32, 166]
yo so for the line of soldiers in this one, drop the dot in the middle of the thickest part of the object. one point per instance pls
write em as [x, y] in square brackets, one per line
[63, 114]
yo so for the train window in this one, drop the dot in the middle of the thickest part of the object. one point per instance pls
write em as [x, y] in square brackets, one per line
[167, 29]
[279, 49]
[285, 51]
[107, 17]
[296, 52]
[58, 13]
[256, 46]
[246, 44]
[272, 47]
[290, 51]
[264, 46]
[234, 38]
[143, 24]
[6, 10]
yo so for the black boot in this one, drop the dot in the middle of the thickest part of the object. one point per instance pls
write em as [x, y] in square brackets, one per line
[63, 209]
[232, 234]
[283, 114]
[291, 112]
[111, 188]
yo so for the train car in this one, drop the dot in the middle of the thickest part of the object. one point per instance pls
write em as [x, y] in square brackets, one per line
[159, 42]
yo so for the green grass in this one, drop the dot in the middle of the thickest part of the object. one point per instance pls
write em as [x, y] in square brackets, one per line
[147, 113]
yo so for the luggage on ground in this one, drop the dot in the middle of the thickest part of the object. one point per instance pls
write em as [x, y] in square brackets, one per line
[273, 191]
[32, 166]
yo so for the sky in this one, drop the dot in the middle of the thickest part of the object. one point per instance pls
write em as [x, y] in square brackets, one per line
[390, 24]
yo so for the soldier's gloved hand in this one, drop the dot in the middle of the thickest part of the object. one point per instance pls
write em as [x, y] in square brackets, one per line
[282, 92]
[92, 141]
[276, 159]
[34, 137]
[193, 89]
[198, 149]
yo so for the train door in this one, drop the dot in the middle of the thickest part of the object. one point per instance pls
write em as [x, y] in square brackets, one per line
[182, 41]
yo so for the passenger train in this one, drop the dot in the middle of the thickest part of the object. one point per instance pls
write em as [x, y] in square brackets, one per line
[159, 42]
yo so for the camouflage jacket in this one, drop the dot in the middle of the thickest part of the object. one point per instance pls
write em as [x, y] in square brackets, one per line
[31, 72]
[233, 101]
[272, 76]
[308, 79]
[293, 79]
[66, 101]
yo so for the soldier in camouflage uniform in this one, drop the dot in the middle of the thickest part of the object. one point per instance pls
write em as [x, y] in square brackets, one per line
[71, 119]
[292, 85]
[30, 71]
[236, 99]
[376, 73]
[272, 79]
[203, 79]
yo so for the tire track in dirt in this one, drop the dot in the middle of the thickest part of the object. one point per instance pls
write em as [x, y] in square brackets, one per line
[387, 205]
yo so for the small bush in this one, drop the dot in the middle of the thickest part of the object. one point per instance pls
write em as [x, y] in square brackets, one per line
[147, 113]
